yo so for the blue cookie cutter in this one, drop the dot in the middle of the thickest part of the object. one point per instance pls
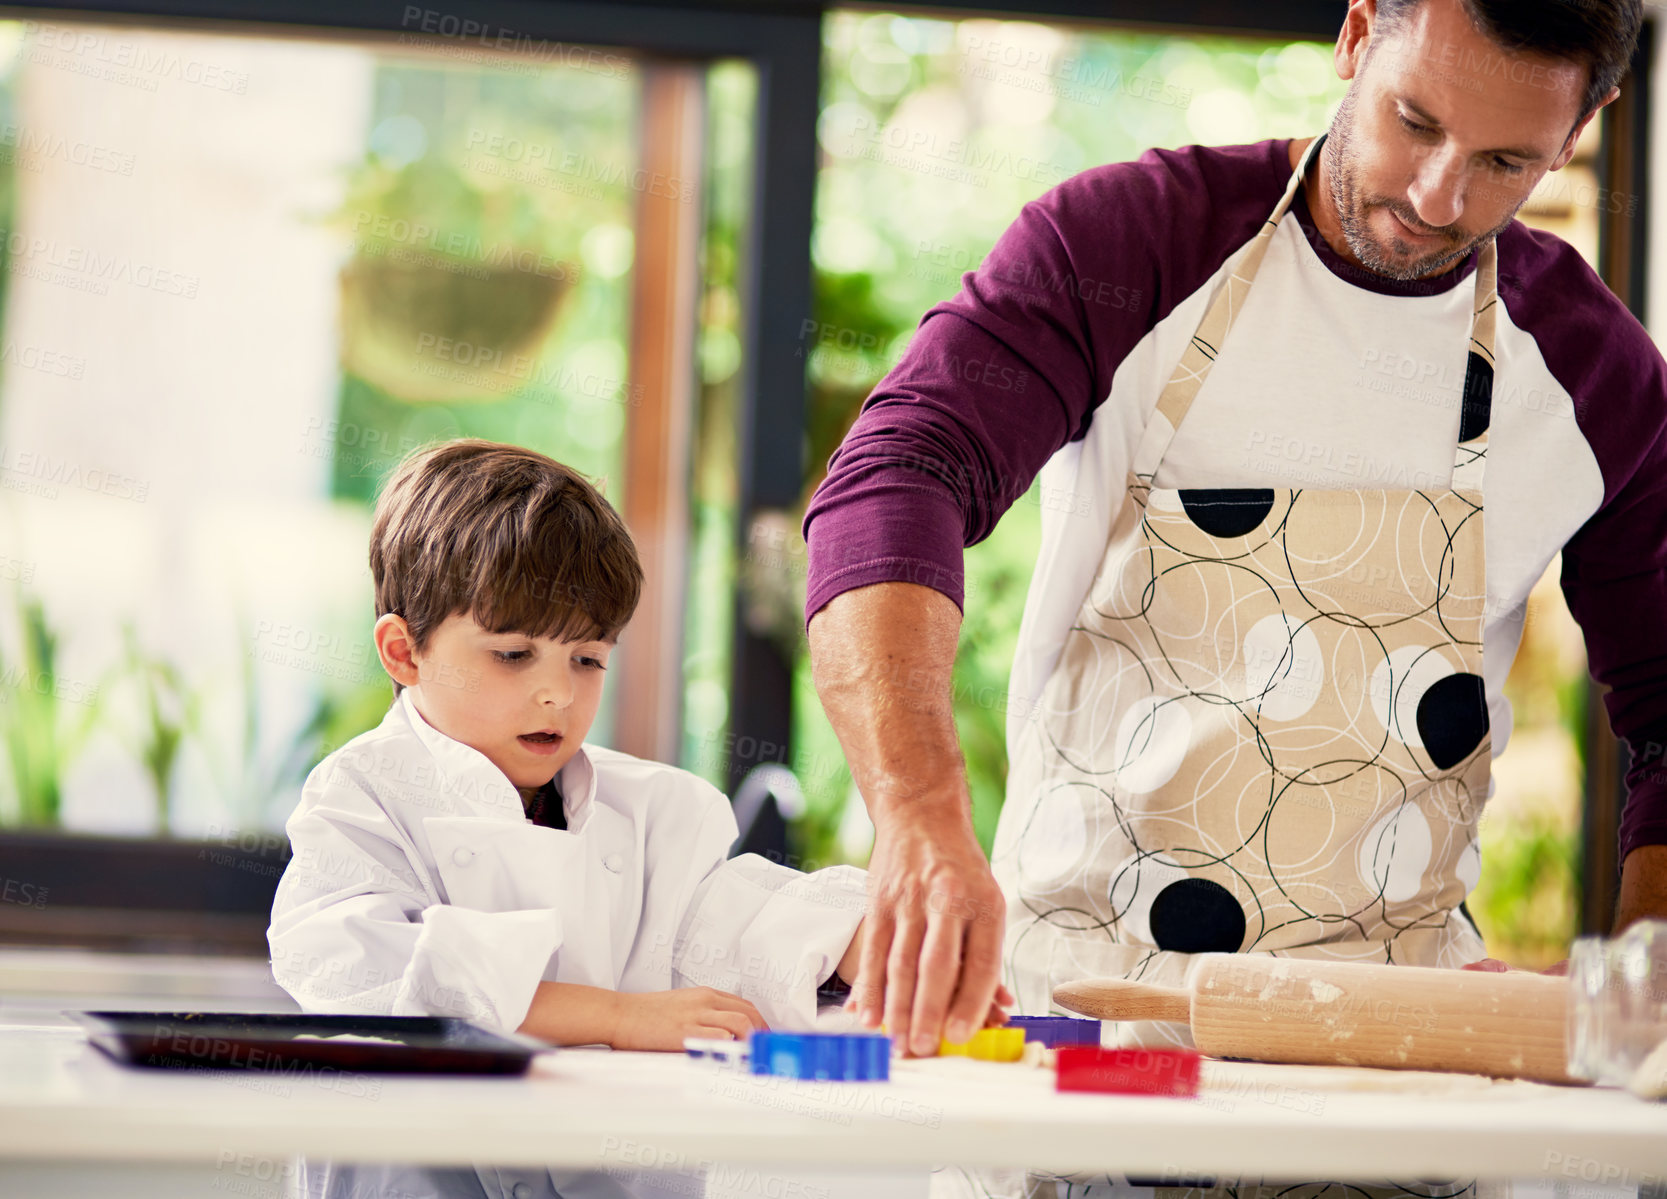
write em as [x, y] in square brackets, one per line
[836, 1057]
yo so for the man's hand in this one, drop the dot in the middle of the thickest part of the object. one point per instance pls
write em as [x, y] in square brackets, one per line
[931, 956]
[850, 964]
[661, 1019]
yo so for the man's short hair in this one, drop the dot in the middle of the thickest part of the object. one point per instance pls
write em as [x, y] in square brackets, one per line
[1599, 34]
[506, 534]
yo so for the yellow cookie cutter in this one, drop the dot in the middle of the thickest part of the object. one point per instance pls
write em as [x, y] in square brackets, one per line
[988, 1045]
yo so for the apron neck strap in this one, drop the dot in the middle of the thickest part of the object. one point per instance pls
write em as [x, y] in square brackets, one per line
[1476, 404]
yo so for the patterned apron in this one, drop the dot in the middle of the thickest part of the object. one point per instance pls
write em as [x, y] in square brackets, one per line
[1267, 730]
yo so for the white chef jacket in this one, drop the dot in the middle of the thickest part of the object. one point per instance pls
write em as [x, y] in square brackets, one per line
[418, 886]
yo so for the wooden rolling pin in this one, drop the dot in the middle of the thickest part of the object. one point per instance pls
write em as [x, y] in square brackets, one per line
[1266, 1009]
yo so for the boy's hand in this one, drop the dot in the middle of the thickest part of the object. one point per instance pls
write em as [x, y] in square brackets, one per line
[661, 1019]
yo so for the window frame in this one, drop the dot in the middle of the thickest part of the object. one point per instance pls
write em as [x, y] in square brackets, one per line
[1623, 168]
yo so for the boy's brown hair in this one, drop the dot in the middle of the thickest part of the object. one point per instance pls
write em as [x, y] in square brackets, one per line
[506, 534]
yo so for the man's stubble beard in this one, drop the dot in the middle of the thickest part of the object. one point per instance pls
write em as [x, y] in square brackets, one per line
[1351, 211]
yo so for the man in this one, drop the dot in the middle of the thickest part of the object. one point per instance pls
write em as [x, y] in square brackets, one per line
[1258, 681]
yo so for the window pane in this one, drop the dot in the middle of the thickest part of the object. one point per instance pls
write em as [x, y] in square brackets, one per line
[246, 276]
[732, 89]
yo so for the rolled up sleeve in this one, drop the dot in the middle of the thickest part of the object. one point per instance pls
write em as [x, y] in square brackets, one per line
[355, 930]
[770, 934]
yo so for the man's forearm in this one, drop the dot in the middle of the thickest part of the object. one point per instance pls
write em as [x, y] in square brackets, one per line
[1643, 886]
[882, 658]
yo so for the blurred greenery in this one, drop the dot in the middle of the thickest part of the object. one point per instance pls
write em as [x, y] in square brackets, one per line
[44, 719]
[1528, 910]
[47, 720]
[482, 157]
[732, 88]
[487, 163]
[171, 710]
[260, 770]
[443, 206]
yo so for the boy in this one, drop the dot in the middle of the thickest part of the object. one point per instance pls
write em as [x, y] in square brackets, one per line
[471, 856]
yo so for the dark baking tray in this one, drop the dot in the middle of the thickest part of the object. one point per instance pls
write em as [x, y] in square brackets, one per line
[233, 1041]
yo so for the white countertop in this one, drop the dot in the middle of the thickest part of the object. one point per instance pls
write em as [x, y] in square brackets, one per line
[61, 1100]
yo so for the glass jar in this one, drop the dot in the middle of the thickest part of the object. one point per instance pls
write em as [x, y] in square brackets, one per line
[1617, 1002]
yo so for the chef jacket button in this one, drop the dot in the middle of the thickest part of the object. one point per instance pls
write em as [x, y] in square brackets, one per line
[462, 855]
[521, 1191]
[614, 862]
